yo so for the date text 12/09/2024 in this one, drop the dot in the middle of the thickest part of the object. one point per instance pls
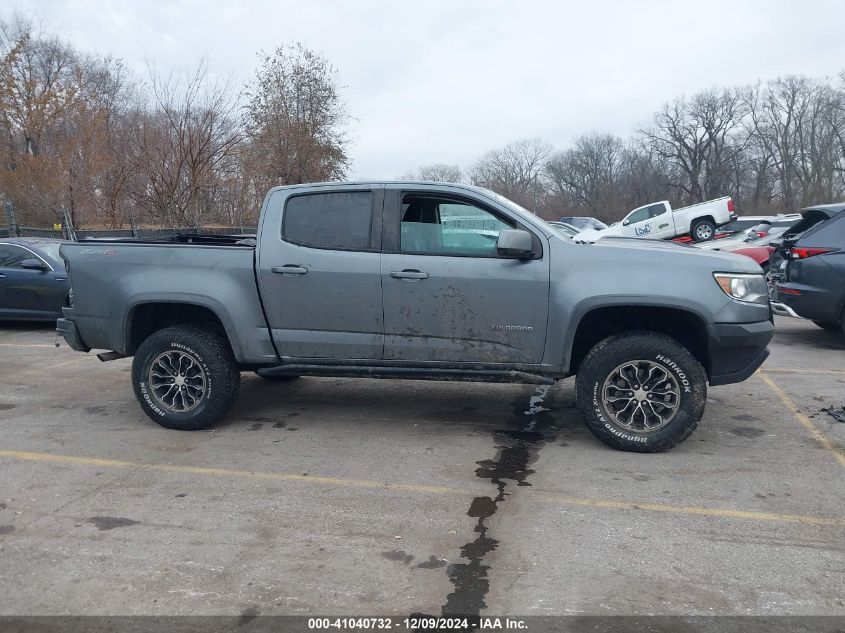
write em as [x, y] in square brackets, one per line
[417, 623]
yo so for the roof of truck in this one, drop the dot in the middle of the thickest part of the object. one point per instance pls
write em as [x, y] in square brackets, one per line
[347, 183]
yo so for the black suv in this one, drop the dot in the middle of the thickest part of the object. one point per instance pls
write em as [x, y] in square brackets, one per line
[808, 267]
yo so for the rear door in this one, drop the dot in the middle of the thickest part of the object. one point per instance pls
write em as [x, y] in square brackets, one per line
[661, 217]
[319, 272]
[448, 296]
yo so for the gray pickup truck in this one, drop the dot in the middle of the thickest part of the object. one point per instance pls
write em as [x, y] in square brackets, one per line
[419, 280]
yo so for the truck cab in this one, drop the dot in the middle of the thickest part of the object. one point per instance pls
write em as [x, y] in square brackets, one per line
[652, 220]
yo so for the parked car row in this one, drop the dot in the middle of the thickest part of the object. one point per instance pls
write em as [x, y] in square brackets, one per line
[808, 268]
[658, 220]
[803, 258]
[802, 255]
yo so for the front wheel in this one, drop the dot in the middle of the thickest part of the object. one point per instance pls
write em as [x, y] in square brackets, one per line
[641, 391]
[702, 230]
[185, 378]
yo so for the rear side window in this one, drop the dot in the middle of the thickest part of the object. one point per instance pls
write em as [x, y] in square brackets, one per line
[337, 220]
[829, 233]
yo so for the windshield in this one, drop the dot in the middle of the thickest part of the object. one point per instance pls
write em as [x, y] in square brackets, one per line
[509, 203]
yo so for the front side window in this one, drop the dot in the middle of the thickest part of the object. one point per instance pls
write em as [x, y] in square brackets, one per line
[12, 256]
[435, 225]
[338, 220]
[638, 216]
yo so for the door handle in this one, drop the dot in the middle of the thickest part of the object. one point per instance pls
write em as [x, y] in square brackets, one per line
[409, 273]
[289, 269]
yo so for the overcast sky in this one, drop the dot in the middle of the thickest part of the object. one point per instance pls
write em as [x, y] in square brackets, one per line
[445, 81]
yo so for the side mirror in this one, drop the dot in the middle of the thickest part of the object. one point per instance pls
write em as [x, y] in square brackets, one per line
[34, 264]
[515, 243]
[626, 222]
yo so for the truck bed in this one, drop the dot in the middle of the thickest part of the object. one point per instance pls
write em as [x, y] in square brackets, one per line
[201, 271]
[181, 238]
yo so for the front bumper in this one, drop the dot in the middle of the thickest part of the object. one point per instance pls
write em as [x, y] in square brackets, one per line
[781, 309]
[737, 350]
[67, 330]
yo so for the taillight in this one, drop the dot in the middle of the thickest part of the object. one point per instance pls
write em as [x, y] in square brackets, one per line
[730, 205]
[798, 252]
[761, 233]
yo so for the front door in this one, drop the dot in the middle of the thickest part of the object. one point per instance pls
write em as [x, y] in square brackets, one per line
[319, 273]
[27, 293]
[650, 221]
[448, 296]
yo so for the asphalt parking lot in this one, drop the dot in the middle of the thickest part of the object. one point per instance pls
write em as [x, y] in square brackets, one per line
[392, 497]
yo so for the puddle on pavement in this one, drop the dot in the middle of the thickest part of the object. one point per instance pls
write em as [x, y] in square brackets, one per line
[517, 448]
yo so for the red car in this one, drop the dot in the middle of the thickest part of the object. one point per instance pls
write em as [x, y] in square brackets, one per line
[759, 254]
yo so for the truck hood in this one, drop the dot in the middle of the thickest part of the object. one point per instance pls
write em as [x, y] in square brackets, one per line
[663, 253]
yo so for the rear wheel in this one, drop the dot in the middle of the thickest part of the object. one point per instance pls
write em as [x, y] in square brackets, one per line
[641, 391]
[702, 230]
[185, 378]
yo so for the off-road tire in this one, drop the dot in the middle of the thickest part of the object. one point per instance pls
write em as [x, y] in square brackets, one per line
[701, 224]
[214, 356]
[668, 354]
[275, 378]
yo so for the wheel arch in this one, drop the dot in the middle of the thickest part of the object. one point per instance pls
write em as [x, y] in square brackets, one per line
[148, 316]
[595, 322]
[708, 218]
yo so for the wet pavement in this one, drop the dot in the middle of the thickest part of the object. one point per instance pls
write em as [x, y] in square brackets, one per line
[336, 496]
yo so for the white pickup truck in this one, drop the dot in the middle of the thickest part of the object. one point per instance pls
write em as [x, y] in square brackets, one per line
[657, 220]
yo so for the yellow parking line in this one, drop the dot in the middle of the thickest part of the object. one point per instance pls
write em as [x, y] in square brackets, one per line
[785, 370]
[820, 437]
[724, 513]
[67, 362]
[226, 472]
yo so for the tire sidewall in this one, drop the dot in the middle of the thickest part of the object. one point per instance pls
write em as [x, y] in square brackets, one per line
[675, 360]
[695, 228]
[214, 399]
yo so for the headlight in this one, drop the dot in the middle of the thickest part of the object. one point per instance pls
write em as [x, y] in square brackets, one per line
[744, 287]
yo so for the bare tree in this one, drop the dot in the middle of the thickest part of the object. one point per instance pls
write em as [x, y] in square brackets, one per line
[296, 118]
[696, 137]
[36, 83]
[436, 172]
[515, 171]
[590, 174]
[179, 142]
